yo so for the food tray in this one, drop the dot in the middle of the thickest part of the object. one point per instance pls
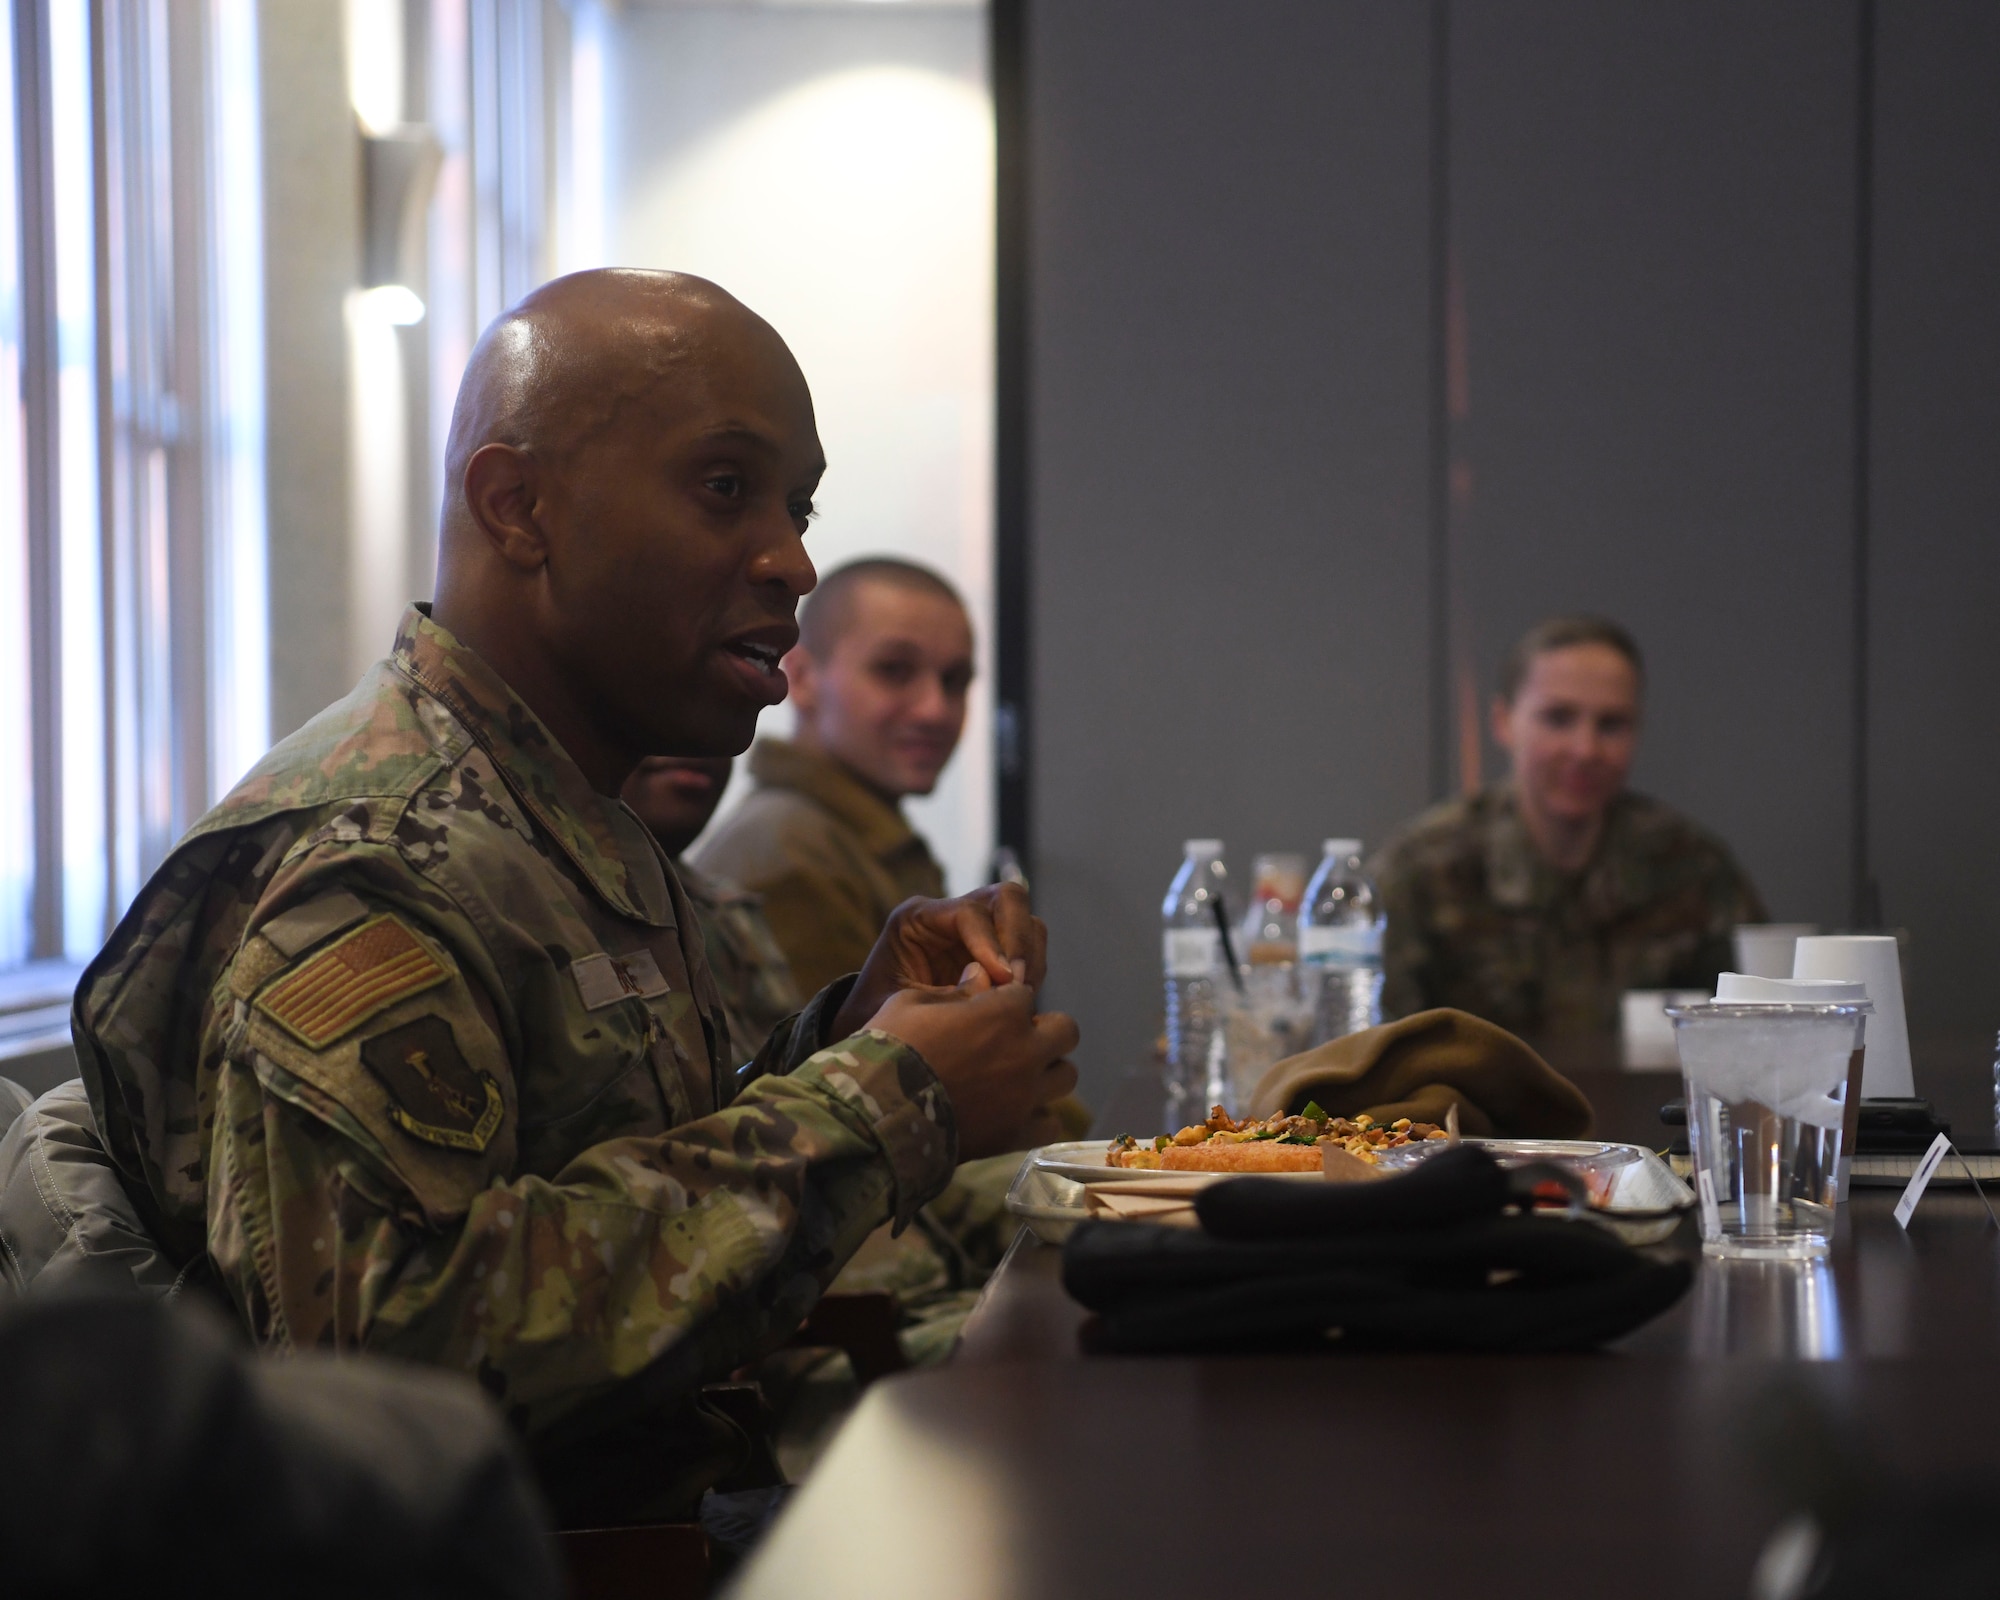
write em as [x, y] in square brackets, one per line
[1050, 1204]
[1047, 1193]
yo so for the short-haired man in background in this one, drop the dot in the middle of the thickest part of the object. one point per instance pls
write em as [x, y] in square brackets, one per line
[1537, 902]
[879, 681]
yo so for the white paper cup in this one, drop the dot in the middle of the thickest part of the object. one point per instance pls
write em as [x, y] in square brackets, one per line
[1646, 1037]
[1870, 959]
[1764, 949]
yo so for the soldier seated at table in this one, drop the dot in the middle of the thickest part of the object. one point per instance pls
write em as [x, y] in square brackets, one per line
[1537, 902]
[410, 1042]
[879, 681]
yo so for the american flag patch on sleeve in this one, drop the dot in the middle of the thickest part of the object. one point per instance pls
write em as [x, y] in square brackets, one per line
[351, 980]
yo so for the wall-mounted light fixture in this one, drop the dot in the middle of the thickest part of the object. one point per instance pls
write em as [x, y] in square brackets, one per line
[399, 167]
[399, 164]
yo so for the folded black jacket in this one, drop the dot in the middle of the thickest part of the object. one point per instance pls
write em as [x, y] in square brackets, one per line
[1435, 1260]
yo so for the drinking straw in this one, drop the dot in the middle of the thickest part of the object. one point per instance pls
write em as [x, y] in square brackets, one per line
[1228, 944]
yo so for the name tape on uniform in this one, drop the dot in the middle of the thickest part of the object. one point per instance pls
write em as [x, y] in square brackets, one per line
[604, 980]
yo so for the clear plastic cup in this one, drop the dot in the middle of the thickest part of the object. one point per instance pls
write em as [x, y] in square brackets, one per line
[1767, 1091]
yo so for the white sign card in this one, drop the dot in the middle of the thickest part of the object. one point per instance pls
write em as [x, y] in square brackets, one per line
[1920, 1180]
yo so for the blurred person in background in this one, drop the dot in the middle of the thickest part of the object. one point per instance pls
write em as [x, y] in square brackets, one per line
[1539, 901]
[675, 796]
[879, 680]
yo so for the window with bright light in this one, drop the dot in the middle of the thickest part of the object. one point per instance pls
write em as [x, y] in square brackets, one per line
[17, 699]
[133, 651]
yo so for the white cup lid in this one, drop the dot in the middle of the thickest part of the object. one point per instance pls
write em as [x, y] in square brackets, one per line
[1740, 988]
[1342, 848]
[1203, 847]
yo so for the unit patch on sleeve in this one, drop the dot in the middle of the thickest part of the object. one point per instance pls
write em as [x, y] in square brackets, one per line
[435, 1094]
[376, 965]
[605, 980]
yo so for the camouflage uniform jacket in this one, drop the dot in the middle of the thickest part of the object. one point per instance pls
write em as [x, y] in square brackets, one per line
[413, 1035]
[830, 857]
[933, 1268]
[752, 977]
[1476, 918]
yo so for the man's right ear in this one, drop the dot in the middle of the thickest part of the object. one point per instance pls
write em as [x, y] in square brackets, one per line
[500, 494]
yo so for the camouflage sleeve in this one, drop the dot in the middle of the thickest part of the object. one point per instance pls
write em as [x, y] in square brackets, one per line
[1744, 903]
[800, 1036]
[1407, 957]
[1732, 900]
[363, 1199]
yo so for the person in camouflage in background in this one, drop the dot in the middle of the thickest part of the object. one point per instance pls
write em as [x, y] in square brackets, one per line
[1538, 902]
[413, 1037]
[674, 796]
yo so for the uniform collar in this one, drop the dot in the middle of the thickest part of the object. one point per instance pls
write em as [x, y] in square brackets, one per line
[1518, 877]
[608, 844]
[780, 764]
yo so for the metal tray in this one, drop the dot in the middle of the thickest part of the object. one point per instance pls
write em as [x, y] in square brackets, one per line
[1644, 1205]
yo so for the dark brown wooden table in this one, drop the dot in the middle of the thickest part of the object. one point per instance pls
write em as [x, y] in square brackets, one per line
[1024, 1468]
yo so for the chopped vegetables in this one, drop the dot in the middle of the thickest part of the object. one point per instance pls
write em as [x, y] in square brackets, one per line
[1360, 1136]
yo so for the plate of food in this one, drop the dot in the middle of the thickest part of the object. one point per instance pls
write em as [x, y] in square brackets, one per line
[1624, 1187]
[1283, 1144]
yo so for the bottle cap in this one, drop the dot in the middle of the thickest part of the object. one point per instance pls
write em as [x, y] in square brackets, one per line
[1203, 847]
[1342, 847]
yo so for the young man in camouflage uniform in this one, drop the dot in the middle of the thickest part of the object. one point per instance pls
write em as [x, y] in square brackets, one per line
[412, 1040]
[879, 683]
[1538, 902]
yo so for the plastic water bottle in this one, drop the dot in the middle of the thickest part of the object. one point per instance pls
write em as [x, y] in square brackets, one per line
[1340, 943]
[1270, 930]
[1197, 1048]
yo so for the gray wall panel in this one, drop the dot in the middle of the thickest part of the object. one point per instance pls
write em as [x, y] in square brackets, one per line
[1228, 455]
[1934, 581]
[1652, 213]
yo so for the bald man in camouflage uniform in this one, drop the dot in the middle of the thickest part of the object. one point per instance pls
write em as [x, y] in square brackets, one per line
[413, 1037]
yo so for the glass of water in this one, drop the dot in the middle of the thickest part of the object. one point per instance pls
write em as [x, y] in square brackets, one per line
[1767, 1089]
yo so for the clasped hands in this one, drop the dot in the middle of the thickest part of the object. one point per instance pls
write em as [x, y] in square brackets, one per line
[955, 980]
